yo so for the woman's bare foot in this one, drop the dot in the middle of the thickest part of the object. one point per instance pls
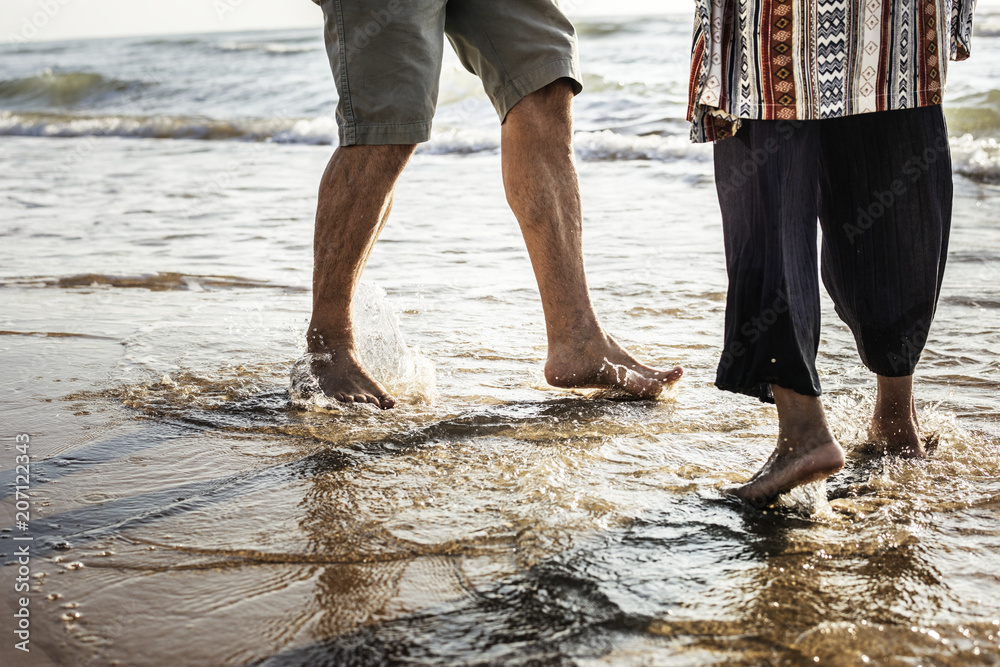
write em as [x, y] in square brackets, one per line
[342, 378]
[806, 450]
[894, 420]
[601, 363]
[793, 463]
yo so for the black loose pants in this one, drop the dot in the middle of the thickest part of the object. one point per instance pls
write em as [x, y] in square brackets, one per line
[881, 186]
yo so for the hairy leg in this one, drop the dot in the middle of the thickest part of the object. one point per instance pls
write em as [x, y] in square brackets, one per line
[543, 191]
[894, 422]
[355, 197]
[806, 450]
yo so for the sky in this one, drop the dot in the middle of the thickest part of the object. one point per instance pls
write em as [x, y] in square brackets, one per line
[68, 19]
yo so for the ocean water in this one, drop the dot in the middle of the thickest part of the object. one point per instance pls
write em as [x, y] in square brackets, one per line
[156, 225]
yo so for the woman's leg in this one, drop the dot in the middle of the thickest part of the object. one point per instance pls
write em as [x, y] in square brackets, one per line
[806, 450]
[767, 177]
[767, 180]
[885, 209]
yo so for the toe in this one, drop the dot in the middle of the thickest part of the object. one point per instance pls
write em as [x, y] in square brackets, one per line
[674, 374]
[754, 497]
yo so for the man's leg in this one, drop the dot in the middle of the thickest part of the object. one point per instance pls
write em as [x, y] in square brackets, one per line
[385, 57]
[806, 450]
[355, 197]
[544, 193]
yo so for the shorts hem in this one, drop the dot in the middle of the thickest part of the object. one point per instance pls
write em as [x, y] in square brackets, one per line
[384, 134]
[525, 84]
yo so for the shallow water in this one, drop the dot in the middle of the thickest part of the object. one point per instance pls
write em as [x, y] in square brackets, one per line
[154, 296]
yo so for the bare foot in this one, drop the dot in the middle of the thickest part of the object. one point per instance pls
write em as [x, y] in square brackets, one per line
[342, 378]
[894, 422]
[601, 363]
[806, 450]
[793, 463]
[899, 435]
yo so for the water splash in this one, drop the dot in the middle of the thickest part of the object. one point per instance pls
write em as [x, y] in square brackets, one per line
[401, 369]
[808, 500]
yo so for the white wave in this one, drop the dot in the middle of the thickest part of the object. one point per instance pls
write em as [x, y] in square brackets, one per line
[602, 145]
[320, 131]
[461, 142]
[155, 127]
[271, 47]
[987, 26]
[608, 145]
[976, 158]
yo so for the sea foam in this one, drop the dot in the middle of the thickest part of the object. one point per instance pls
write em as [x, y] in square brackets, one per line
[401, 369]
[974, 157]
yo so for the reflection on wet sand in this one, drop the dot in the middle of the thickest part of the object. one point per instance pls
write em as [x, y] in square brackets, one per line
[525, 531]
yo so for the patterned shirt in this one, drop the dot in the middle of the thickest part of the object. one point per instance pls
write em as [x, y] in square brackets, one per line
[810, 59]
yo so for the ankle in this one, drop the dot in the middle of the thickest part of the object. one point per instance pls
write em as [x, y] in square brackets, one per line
[807, 436]
[576, 338]
[893, 413]
[894, 394]
[800, 416]
[325, 340]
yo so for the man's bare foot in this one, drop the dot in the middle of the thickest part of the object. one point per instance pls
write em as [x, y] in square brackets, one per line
[342, 378]
[601, 363]
[894, 423]
[806, 450]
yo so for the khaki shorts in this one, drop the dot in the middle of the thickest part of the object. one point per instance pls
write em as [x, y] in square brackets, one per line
[386, 58]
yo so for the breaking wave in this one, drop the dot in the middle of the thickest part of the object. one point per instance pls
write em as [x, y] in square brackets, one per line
[42, 124]
[272, 48]
[322, 131]
[155, 282]
[978, 159]
[65, 89]
[974, 156]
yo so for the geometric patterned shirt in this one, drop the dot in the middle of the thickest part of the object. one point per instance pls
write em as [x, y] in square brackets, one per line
[812, 59]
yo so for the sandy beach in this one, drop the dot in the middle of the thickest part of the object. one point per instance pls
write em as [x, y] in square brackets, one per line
[154, 294]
